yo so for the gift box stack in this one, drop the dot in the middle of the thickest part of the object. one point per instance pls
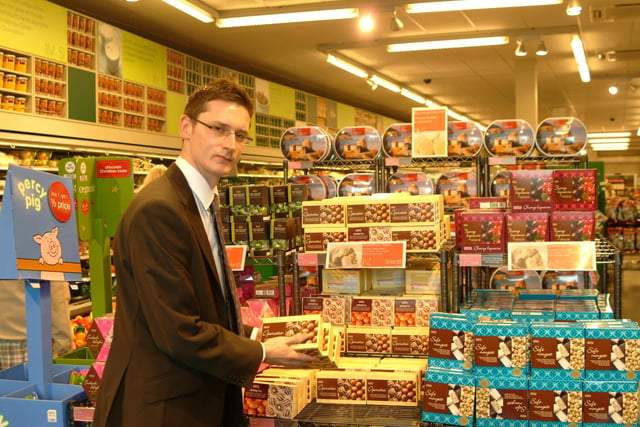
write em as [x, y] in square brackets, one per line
[542, 205]
[528, 372]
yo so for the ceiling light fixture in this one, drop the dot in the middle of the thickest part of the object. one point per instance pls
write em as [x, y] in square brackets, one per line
[613, 90]
[396, 23]
[413, 96]
[581, 58]
[618, 140]
[346, 66]
[456, 5]
[385, 84]
[191, 9]
[542, 49]
[638, 131]
[520, 49]
[610, 147]
[608, 135]
[574, 8]
[447, 44]
[287, 18]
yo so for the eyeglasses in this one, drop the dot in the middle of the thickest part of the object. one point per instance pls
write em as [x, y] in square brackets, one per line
[223, 132]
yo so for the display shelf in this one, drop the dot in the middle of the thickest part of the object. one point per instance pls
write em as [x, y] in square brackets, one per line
[606, 255]
[359, 415]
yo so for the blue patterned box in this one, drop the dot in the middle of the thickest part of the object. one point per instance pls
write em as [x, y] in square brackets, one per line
[573, 310]
[501, 349]
[589, 294]
[531, 316]
[539, 294]
[548, 305]
[448, 397]
[612, 351]
[476, 314]
[606, 312]
[609, 402]
[450, 341]
[557, 351]
[555, 403]
[502, 402]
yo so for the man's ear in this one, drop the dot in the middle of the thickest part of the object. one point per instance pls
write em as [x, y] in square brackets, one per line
[186, 127]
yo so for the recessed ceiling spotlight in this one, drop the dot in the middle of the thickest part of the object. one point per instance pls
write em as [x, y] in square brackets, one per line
[613, 90]
[542, 49]
[574, 8]
[366, 23]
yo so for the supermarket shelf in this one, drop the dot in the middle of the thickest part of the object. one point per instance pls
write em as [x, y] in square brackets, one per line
[360, 415]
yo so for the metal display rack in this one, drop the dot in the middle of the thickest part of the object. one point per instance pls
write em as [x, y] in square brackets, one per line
[606, 255]
[317, 414]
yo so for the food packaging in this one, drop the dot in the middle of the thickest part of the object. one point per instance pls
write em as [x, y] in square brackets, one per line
[575, 189]
[557, 351]
[575, 226]
[500, 184]
[449, 397]
[357, 184]
[482, 231]
[311, 143]
[509, 138]
[465, 139]
[513, 280]
[396, 140]
[501, 349]
[410, 182]
[316, 188]
[456, 187]
[357, 143]
[527, 226]
[503, 400]
[561, 136]
[531, 191]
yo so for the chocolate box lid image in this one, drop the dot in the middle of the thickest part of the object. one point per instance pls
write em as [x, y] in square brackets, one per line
[465, 139]
[330, 184]
[509, 138]
[410, 182]
[561, 136]
[500, 184]
[455, 187]
[356, 184]
[357, 143]
[316, 186]
[306, 144]
[514, 279]
[396, 140]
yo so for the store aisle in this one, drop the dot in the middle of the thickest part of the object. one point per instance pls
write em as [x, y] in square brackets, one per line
[631, 287]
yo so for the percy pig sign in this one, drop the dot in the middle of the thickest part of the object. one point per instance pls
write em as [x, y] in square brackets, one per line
[38, 227]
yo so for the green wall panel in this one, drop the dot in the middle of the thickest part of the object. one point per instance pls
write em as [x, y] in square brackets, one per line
[82, 95]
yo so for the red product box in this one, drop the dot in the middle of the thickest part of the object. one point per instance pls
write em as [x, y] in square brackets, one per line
[91, 383]
[527, 226]
[575, 226]
[575, 189]
[531, 191]
[482, 232]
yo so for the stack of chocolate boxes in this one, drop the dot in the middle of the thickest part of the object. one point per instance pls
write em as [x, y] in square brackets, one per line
[527, 370]
[542, 205]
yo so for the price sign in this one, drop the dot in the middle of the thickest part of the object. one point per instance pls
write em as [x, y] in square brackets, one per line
[352, 255]
[236, 254]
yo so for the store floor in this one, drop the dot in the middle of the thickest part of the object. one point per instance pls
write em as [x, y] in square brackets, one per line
[631, 287]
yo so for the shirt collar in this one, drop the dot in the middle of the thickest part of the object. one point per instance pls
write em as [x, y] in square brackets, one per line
[197, 183]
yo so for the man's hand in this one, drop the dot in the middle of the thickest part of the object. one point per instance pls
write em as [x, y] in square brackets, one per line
[279, 352]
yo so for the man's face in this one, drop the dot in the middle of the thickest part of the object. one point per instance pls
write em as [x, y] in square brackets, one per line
[212, 155]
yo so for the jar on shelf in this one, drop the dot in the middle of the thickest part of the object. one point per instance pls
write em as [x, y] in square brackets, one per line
[9, 61]
[21, 64]
[8, 102]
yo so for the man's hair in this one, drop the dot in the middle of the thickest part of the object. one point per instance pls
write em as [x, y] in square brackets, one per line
[219, 89]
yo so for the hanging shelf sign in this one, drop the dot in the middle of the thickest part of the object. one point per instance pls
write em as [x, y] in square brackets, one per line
[38, 227]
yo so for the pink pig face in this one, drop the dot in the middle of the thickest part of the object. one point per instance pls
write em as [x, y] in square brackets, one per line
[50, 247]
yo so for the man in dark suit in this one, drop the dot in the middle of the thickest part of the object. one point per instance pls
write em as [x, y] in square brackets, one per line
[180, 353]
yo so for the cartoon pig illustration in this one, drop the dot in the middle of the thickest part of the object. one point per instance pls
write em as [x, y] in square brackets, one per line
[50, 247]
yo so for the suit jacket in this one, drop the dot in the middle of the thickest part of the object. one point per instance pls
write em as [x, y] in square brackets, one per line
[174, 360]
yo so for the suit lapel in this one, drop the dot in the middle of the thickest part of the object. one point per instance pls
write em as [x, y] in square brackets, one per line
[191, 208]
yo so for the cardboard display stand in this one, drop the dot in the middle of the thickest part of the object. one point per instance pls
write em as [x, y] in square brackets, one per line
[40, 243]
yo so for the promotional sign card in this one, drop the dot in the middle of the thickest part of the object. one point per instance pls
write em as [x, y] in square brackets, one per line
[38, 227]
[81, 172]
[429, 132]
[114, 189]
